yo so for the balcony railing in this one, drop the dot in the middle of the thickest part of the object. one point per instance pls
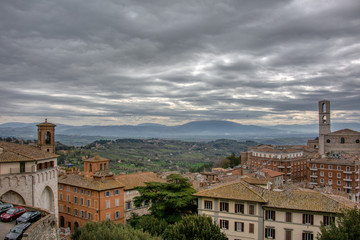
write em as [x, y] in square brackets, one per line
[314, 176]
[347, 187]
[347, 172]
[281, 166]
[347, 179]
[313, 169]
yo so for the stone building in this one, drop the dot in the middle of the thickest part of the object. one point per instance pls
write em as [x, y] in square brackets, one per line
[28, 175]
[93, 195]
[245, 211]
[290, 160]
[337, 162]
[131, 181]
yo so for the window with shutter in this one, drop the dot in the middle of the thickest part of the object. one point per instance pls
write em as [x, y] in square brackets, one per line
[251, 228]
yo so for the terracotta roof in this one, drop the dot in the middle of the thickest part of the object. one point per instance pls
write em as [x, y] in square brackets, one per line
[345, 131]
[256, 181]
[46, 124]
[103, 173]
[336, 161]
[130, 181]
[275, 149]
[96, 159]
[272, 173]
[89, 183]
[13, 152]
[236, 191]
[302, 200]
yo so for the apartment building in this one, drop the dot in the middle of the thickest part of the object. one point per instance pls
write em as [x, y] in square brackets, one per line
[247, 212]
[93, 195]
[130, 182]
[289, 160]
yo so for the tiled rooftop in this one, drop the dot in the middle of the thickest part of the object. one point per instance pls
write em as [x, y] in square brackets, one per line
[89, 183]
[235, 191]
[345, 131]
[96, 159]
[130, 181]
[13, 152]
[272, 173]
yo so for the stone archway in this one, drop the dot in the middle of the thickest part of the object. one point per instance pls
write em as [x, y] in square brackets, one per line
[13, 197]
[47, 199]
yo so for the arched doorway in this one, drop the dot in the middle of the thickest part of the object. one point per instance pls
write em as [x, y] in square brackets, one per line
[13, 197]
[47, 199]
[76, 225]
[62, 221]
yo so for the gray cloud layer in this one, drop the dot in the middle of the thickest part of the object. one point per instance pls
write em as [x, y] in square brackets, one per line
[115, 62]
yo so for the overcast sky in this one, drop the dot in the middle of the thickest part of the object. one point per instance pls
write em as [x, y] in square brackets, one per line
[170, 62]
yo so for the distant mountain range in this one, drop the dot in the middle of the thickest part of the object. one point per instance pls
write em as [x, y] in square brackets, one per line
[191, 130]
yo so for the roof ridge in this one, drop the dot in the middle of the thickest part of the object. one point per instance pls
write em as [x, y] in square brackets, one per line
[253, 191]
[340, 203]
[14, 151]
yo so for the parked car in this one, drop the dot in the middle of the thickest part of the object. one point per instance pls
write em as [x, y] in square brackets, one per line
[12, 214]
[1, 202]
[4, 207]
[17, 231]
[29, 217]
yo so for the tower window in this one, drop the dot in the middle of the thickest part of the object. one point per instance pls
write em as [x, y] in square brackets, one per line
[48, 138]
[342, 140]
[324, 119]
[324, 107]
[90, 167]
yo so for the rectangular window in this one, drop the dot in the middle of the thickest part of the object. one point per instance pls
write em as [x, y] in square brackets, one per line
[68, 210]
[270, 233]
[88, 192]
[330, 167]
[68, 198]
[321, 174]
[308, 219]
[330, 174]
[75, 190]
[208, 204]
[117, 215]
[339, 183]
[116, 202]
[224, 206]
[239, 226]
[270, 215]
[307, 236]
[322, 180]
[108, 216]
[81, 201]
[82, 191]
[107, 204]
[75, 200]
[327, 220]
[89, 203]
[61, 187]
[339, 175]
[68, 188]
[224, 224]
[287, 234]
[60, 196]
[321, 165]
[348, 169]
[116, 192]
[251, 209]
[61, 208]
[128, 205]
[339, 168]
[76, 212]
[89, 216]
[107, 194]
[330, 182]
[239, 208]
[82, 213]
[288, 217]
[251, 228]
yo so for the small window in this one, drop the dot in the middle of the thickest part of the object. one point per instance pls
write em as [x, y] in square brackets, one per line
[88, 192]
[108, 216]
[239, 226]
[116, 202]
[224, 206]
[330, 174]
[308, 219]
[288, 234]
[330, 167]
[60, 196]
[288, 217]
[208, 204]
[107, 204]
[327, 220]
[239, 208]
[270, 232]
[339, 183]
[82, 191]
[321, 165]
[342, 141]
[224, 224]
[75, 200]
[270, 215]
[107, 194]
[251, 228]
[75, 190]
[128, 205]
[89, 216]
[330, 182]
[321, 174]
[81, 201]
[61, 187]
[251, 209]
[116, 192]
[89, 203]
[307, 236]
[117, 214]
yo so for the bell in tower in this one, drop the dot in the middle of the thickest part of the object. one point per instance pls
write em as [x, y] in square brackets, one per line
[46, 136]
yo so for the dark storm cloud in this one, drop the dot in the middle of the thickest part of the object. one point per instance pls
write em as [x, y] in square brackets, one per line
[176, 61]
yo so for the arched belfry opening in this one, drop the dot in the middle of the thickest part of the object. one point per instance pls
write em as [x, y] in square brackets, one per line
[324, 107]
[46, 136]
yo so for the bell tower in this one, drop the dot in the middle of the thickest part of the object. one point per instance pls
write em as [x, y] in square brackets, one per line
[324, 124]
[46, 136]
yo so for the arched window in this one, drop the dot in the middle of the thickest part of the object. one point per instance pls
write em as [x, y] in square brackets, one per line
[342, 140]
[324, 107]
[324, 119]
[48, 138]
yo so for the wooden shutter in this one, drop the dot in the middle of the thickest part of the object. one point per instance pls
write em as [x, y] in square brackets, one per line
[312, 219]
[235, 226]
[251, 228]
[273, 216]
[303, 218]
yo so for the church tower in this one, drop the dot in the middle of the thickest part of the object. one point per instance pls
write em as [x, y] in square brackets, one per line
[324, 124]
[46, 136]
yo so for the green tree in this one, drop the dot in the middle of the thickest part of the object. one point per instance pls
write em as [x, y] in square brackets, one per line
[148, 223]
[196, 227]
[233, 160]
[347, 227]
[107, 230]
[169, 200]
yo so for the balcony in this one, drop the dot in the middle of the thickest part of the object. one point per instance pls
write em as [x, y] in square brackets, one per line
[22, 170]
[314, 169]
[347, 172]
[313, 183]
[347, 179]
[281, 166]
[288, 166]
[314, 176]
[289, 173]
[347, 187]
